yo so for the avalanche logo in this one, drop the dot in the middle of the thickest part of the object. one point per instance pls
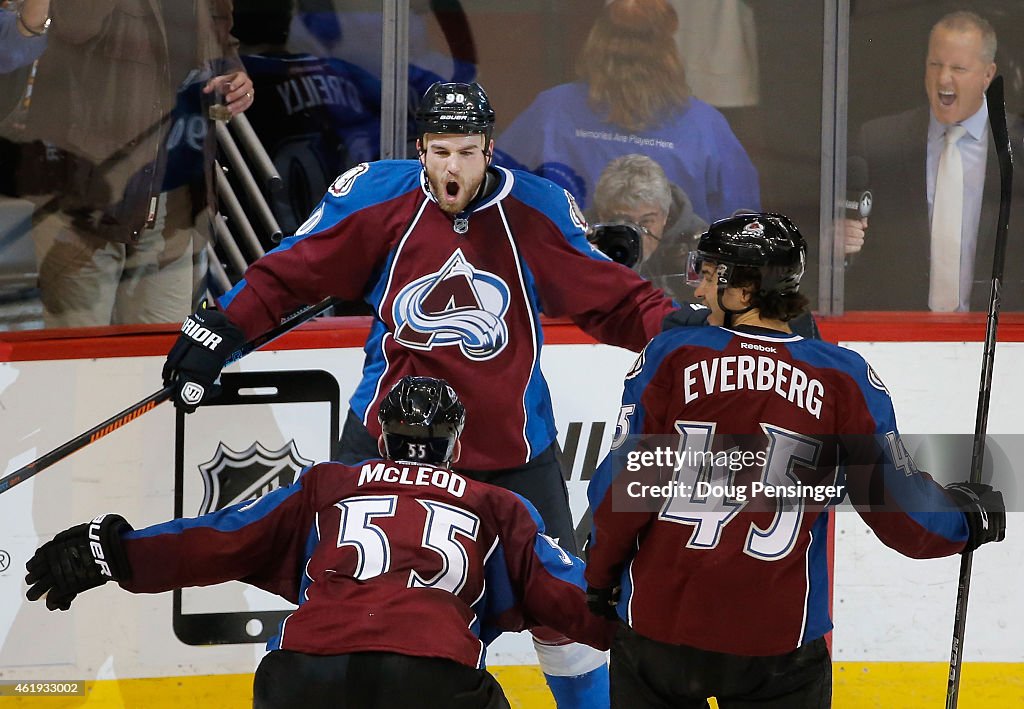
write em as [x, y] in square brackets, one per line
[875, 380]
[343, 185]
[755, 228]
[456, 305]
[231, 477]
[638, 365]
[575, 213]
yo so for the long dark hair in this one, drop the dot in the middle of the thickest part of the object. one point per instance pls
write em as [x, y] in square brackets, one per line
[631, 64]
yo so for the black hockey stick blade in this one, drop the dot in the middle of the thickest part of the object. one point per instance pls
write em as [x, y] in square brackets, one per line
[150, 402]
[1001, 137]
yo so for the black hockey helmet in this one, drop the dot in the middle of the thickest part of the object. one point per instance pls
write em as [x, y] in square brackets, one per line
[769, 242]
[455, 108]
[421, 418]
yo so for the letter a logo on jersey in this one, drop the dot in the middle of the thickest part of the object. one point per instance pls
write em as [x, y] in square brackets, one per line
[456, 305]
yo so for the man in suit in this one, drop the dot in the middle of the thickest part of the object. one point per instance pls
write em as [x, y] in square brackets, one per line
[905, 246]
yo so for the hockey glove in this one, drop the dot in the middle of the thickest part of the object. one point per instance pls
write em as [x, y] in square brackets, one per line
[602, 601]
[193, 365]
[985, 511]
[77, 559]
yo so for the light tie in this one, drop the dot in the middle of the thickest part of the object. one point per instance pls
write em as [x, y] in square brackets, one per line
[947, 222]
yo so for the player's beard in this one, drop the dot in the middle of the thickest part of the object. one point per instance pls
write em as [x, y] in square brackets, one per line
[454, 192]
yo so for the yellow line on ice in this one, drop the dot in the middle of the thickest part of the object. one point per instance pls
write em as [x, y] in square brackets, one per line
[868, 685]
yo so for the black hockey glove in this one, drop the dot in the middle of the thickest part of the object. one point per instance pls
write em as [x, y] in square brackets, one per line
[602, 601]
[77, 559]
[985, 511]
[193, 365]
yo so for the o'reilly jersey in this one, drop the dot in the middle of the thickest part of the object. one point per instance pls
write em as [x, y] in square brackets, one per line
[463, 304]
[386, 556]
[712, 560]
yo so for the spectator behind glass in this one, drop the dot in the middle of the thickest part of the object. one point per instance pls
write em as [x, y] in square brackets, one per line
[333, 29]
[632, 97]
[316, 117]
[717, 43]
[115, 232]
[903, 153]
[23, 27]
[23, 30]
[634, 188]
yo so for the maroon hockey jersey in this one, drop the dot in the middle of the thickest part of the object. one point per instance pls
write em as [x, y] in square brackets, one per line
[393, 557]
[463, 304]
[712, 509]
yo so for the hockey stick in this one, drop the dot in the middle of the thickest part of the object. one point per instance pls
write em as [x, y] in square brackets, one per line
[150, 402]
[1000, 134]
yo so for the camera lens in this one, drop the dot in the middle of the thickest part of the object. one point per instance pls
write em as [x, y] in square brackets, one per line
[618, 241]
[619, 251]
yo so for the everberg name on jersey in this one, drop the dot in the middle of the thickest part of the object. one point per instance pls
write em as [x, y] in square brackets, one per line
[753, 373]
[454, 483]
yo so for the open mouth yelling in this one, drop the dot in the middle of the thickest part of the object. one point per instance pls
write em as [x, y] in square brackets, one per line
[947, 98]
[451, 191]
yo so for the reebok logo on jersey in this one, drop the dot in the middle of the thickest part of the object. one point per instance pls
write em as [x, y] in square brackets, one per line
[759, 348]
[97, 549]
[201, 334]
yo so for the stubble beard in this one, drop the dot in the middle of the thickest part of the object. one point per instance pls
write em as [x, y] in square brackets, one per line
[467, 192]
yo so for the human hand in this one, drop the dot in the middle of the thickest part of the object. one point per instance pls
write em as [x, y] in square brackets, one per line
[236, 88]
[82, 557]
[193, 364]
[853, 235]
[602, 601]
[985, 512]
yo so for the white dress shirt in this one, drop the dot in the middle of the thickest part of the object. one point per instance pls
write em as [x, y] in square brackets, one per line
[974, 153]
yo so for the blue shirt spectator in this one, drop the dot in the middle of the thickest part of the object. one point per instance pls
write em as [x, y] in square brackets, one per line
[562, 138]
[16, 49]
[632, 97]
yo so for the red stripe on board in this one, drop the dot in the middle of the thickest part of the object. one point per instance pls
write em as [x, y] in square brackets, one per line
[326, 333]
[919, 327]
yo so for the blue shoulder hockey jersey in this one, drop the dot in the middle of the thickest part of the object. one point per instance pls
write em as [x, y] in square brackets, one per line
[385, 556]
[732, 449]
[462, 306]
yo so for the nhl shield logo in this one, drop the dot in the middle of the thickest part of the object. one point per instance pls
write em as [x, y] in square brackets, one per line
[231, 477]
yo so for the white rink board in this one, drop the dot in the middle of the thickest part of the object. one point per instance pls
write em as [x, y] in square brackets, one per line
[886, 607]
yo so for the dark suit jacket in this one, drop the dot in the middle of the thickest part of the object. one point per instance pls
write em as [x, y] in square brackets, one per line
[891, 271]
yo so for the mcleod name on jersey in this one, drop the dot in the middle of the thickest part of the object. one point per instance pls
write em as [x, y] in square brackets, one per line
[693, 561]
[387, 556]
[460, 299]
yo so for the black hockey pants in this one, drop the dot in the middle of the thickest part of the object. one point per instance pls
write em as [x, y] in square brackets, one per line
[371, 680]
[646, 674]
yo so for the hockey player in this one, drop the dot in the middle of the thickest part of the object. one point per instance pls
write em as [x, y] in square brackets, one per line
[716, 560]
[402, 568]
[458, 260]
